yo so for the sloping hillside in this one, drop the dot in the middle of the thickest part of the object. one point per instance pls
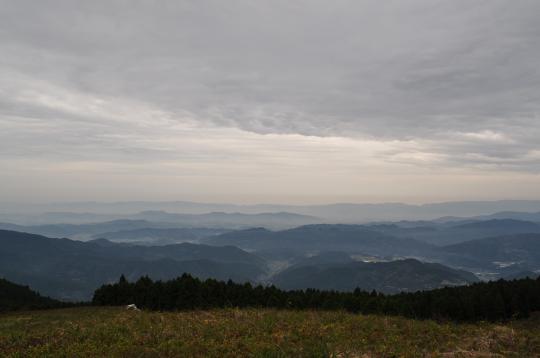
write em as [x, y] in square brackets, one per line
[71, 269]
[17, 297]
[452, 232]
[316, 238]
[503, 249]
[388, 277]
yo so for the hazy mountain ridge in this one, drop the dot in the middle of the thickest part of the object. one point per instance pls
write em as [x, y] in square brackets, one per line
[71, 269]
[390, 241]
[388, 277]
[324, 237]
[514, 215]
[338, 212]
[504, 249]
[446, 233]
[230, 219]
[67, 267]
[158, 236]
[164, 220]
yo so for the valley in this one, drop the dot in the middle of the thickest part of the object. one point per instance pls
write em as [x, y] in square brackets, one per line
[387, 257]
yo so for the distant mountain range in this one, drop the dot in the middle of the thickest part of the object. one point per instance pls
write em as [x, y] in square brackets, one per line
[388, 277]
[192, 225]
[218, 245]
[500, 251]
[514, 215]
[516, 243]
[400, 238]
[333, 213]
[162, 227]
[142, 231]
[156, 236]
[444, 233]
[71, 270]
[151, 219]
[81, 231]
[315, 238]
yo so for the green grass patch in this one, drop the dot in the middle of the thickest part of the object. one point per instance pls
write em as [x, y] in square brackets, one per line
[115, 332]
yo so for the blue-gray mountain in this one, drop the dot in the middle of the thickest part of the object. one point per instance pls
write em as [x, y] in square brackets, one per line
[445, 233]
[521, 250]
[316, 238]
[89, 222]
[340, 212]
[69, 269]
[219, 222]
[387, 277]
[305, 255]
[502, 255]
[159, 236]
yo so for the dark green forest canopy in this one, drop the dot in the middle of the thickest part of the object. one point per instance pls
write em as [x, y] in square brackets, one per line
[17, 297]
[493, 301]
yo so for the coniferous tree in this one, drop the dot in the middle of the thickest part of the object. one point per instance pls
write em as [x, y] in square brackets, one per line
[481, 301]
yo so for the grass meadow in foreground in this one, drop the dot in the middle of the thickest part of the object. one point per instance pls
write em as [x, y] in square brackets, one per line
[115, 332]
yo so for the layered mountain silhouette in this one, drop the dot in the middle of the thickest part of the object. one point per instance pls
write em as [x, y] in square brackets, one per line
[450, 232]
[159, 236]
[69, 269]
[501, 250]
[77, 224]
[317, 238]
[388, 277]
[328, 256]
[339, 212]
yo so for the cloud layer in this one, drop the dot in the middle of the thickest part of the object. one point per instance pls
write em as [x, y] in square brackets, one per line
[288, 89]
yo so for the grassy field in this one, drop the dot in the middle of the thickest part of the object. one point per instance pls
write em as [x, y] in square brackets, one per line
[115, 332]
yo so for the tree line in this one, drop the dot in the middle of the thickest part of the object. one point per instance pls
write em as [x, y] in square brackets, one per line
[492, 301]
[17, 297]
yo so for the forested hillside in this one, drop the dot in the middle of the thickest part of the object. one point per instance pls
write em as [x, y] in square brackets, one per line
[481, 301]
[72, 270]
[388, 277]
[17, 297]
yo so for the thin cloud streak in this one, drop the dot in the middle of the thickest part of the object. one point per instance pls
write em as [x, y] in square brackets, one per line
[287, 89]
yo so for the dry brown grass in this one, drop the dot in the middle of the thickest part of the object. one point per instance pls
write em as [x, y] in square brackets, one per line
[114, 332]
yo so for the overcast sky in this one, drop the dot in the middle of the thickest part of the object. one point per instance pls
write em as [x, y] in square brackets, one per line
[269, 101]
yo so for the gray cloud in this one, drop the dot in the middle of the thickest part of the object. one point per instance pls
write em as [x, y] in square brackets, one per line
[131, 80]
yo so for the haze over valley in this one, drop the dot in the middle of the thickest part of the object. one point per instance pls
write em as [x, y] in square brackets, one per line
[66, 255]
